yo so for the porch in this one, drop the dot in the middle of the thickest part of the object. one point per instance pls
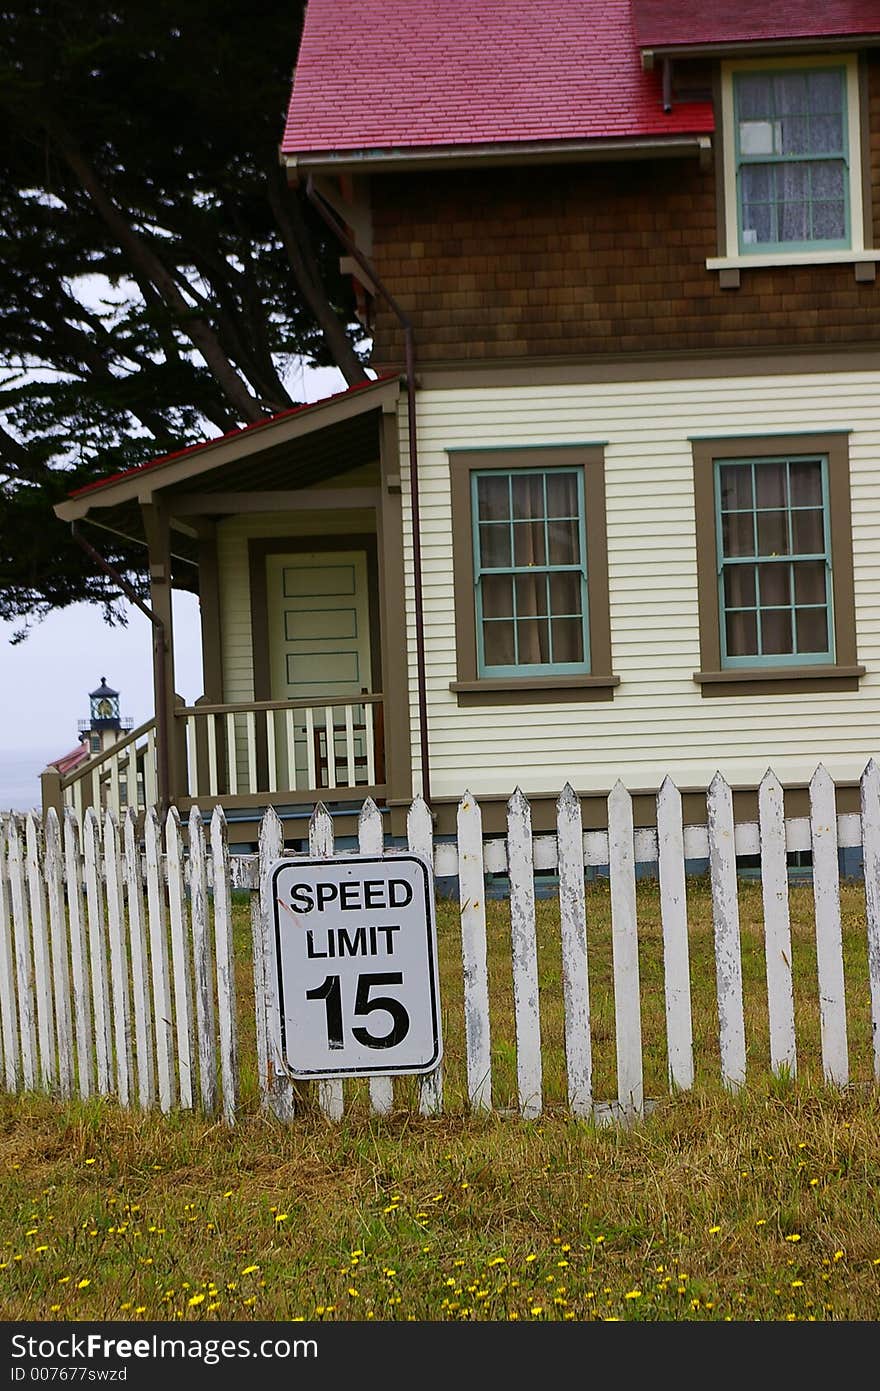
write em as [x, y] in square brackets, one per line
[244, 757]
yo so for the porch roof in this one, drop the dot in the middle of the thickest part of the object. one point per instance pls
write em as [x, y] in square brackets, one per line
[291, 450]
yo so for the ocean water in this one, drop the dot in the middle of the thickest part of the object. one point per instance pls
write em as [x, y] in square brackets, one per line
[20, 771]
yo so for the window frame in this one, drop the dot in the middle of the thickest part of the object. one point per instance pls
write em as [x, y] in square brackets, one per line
[733, 254]
[764, 676]
[595, 683]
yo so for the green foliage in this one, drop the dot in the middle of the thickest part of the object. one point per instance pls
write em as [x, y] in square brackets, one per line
[140, 198]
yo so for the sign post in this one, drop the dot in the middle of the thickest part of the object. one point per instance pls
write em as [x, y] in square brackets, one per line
[356, 949]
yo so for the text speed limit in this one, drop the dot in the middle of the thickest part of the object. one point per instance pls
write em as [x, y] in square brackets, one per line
[356, 945]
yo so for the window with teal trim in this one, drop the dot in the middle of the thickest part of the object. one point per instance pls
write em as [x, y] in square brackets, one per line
[792, 159]
[530, 572]
[774, 553]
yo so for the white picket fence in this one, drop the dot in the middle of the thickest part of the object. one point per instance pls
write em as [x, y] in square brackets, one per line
[117, 967]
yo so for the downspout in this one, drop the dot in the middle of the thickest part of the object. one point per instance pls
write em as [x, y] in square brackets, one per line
[160, 648]
[339, 231]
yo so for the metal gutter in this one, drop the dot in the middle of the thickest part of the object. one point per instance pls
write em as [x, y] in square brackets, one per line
[453, 156]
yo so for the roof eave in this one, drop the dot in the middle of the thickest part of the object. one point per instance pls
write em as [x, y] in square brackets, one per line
[459, 156]
[744, 48]
[140, 484]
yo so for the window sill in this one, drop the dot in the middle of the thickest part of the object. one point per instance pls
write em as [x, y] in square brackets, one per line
[778, 680]
[865, 263]
[529, 690]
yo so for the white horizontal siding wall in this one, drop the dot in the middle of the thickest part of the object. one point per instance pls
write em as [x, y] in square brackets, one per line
[657, 722]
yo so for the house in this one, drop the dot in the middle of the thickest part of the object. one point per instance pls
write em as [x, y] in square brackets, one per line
[610, 507]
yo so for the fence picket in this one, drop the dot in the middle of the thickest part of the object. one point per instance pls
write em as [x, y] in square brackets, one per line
[725, 917]
[97, 956]
[54, 868]
[159, 972]
[371, 842]
[777, 926]
[575, 969]
[8, 1010]
[829, 935]
[225, 965]
[180, 958]
[472, 900]
[22, 941]
[79, 970]
[203, 964]
[870, 803]
[524, 955]
[331, 1097]
[420, 841]
[279, 1093]
[676, 954]
[118, 957]
[625, 952]
[40, 942]
[140, 988]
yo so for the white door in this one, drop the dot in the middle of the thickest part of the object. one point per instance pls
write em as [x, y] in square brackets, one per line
[319, 637]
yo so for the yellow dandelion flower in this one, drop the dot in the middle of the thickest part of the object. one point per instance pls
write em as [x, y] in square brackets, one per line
[536, 1310]
[793, 1236]
[281, 1217]
[633, 1294]
[838, 1255]
[249, 1269]
[53, 1308]
[33, 1231]
[63, 1279]
[797, 1284]
[141, 1309]
[497, 1260]
[531, 1257]
[353, 1292]
[814, 1182]
[761, 1222]
[90, 1161]
[228, 1193]
[196, 1299]
[252, 1300]
[41, 1248]
[82, 1284]
[713, 1230]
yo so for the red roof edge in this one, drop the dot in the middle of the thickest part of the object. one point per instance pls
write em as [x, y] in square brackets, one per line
[230, 434]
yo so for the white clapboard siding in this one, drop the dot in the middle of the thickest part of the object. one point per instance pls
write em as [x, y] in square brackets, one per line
[524, 957]
[725, 917]
[575, 972]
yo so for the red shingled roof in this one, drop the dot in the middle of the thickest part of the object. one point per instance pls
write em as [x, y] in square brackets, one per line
[406, 74]
[661, 24]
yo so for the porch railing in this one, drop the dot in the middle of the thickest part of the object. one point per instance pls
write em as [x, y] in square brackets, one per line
[121, 776]
[273, 747]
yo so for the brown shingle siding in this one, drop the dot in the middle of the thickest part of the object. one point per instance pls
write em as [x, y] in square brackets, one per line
[591, 259]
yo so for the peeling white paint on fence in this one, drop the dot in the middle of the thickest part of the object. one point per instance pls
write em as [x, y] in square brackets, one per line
[117, 969]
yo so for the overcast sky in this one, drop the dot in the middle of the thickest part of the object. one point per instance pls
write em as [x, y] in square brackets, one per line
[45, 680]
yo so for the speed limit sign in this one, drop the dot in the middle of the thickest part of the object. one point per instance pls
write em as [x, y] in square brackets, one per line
[356, 950]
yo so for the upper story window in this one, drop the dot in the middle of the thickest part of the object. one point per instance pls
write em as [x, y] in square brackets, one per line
[793, 173]
[792, 181]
